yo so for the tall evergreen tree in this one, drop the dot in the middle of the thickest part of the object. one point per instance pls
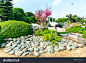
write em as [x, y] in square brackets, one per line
[6, 7]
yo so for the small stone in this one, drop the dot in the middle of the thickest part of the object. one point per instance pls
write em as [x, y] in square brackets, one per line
[10, 39]
[22, 43]
[41, 48]
[36, 49]
[30, 53]
[7, 42]
[61, 48]
[12, 52]
[80, 45]
[43, 51]
[49, 47]
[68, 48]
[14, 45]
[36, 54]
[50, 51]
[24, 50]
[14, 39]
[5, 39]
[73, 47]
[10, 47]
[18, 53]
[3, 44]
[8, 50]
[56, 49]
[24, 54]
[31, 49]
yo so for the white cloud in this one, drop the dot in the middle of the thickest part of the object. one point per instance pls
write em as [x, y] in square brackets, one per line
[55, 2]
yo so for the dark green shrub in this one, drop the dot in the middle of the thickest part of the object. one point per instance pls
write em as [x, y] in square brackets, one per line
[14, 29]
[26, 19]
[1, 38]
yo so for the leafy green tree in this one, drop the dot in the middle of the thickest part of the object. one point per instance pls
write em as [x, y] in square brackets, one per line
[29, 14]
[64, 19]
[26, 19]
[32, 20]
[69, 17]
[18, 11]
[19, 16]
[6, 9]
[53, 19]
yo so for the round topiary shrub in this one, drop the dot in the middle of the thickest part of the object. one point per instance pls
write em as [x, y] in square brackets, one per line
[15, 29]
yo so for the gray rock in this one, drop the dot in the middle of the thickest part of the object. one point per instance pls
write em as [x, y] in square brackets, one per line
[22, 43]
[3, 44]
[73, 47]
[8, 50]
[41, 48]
[80, 45]
[28, 42]
[18, 53]
[36, 49]
[31, 49]
[5, 39]
[12, 52]
[16, 48]
[30, 53]
[44, 51]
[50, 51]
[32, 44]
[10, 47]
[36, 54]
[22, 47]
[19, 46]
[56, 49]
[14, 39]
[68, 48]
[61, 48]
[49, 47]
[10, 39]
[7, 42]
[24, 50]
[14, 45]
[18, 42]
[25, 53]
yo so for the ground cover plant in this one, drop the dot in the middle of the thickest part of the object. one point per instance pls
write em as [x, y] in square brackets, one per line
[14, 29]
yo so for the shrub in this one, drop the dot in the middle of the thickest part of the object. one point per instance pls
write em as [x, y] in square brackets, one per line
[1, 39]
[84, 34]
[14, 29]
[74, 29]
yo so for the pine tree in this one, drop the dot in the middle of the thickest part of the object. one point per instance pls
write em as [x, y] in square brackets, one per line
[6, 6]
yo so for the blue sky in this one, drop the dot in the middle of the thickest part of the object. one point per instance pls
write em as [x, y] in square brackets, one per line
[59, 8]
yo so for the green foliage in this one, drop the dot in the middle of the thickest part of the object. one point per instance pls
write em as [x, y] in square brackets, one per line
[18, 11]
[6, 10]
[84, 34]
[51, 19]
[14, 29]
[29, 14]
[62, 24]
[51, 36]
[64, 19]
[74, 29]
[38, 33]
[68, 23]
[32, 20]
[19, 17]
[1, 38]
[26, 19]
[53, 42]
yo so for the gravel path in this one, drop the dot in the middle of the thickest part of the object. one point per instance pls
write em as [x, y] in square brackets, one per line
[79, 52]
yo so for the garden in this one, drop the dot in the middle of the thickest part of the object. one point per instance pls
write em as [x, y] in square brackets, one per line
[18, 38]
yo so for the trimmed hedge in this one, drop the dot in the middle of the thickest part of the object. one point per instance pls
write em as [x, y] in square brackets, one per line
[15, 29]
[1, 39]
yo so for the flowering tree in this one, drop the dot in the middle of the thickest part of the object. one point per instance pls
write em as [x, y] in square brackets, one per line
[42, 16]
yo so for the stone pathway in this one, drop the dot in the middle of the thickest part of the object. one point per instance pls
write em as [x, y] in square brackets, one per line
[33, 46]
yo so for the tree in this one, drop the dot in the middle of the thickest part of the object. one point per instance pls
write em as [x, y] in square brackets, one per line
[32, 20]
[64, 19]
[42, 16]
[19, 16]
[6, 7]
[51, 19]
[18, 11]
[69, 17]
[74, 18]
[29, 14]
[59, 19]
